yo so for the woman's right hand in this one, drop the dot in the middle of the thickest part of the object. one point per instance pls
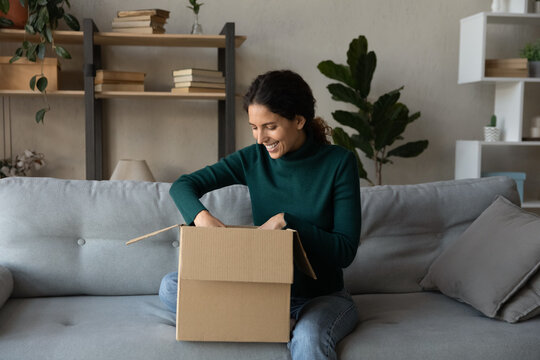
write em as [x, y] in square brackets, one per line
[205, 219]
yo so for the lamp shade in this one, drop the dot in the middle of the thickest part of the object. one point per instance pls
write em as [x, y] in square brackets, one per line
[128, 169]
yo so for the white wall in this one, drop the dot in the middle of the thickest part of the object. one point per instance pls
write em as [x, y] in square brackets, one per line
[416, 42]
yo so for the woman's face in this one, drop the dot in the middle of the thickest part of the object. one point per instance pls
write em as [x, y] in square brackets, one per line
[275, 132]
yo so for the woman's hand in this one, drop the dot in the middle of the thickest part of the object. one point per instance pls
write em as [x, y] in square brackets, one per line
[276, 222]
[205, 219]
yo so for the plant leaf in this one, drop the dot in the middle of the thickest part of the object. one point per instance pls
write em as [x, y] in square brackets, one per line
[62, 52]
[14, 58]
[363, 144]
[336, 71]
[42, 83]
[40, 115]
[5, 22]
[346, 94]
[414, 116]
[410, 149]
[41, 51]
[72, 22]
[33, 82]
[42, 19]
[43, 2]
[355, 120]
[19, 52]
[362, 65]
[48, 34]
[340, 137]
[31, 53]
[4, 6]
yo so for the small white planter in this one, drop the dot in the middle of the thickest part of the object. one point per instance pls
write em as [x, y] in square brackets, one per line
[492, 133]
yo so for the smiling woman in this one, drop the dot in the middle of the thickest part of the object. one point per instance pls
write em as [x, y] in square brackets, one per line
[296, 180]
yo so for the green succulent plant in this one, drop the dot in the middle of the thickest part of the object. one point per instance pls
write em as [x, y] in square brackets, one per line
[531, 51]
[43, 19]
[195, 6]
[378, 124]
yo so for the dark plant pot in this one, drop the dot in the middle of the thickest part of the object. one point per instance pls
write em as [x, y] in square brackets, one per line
[17, 14]
[534, 68]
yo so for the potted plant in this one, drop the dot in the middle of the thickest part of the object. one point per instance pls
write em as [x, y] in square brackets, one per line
[23, 165]
[43, 18]
[531, 51]
[195, 7]
[14, 14]
[491, 131]
[378, 124]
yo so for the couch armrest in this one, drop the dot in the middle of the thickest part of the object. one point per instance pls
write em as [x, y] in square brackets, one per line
[6, 284]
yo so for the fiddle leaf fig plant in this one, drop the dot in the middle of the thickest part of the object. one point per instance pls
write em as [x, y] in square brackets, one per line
[43, 18]
[378, 124]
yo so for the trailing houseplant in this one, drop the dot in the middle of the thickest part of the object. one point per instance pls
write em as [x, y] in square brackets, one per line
[43, 18]
[378, 124]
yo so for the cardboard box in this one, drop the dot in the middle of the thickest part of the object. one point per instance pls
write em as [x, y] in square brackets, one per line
[16, 76]
[234, 283]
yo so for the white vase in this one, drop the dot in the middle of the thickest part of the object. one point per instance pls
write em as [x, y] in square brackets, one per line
[497, 6]
[492, 133]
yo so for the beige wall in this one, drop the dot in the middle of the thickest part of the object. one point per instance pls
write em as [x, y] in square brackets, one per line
[416, 42]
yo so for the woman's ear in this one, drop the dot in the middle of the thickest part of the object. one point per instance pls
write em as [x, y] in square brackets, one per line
[300, 121]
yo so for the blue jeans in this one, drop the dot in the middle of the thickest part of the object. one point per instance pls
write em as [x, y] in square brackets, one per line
[321, 322]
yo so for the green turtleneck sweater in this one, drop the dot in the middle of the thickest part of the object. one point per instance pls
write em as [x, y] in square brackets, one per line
[316, 187]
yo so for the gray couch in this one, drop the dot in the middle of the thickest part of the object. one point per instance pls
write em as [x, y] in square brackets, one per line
[77, 292]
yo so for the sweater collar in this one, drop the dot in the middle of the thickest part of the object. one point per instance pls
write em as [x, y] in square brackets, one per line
[308, 148]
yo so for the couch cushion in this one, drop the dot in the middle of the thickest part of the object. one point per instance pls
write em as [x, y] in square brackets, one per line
[433, 326]
[490, 261]
[406, 227]
[67, 237]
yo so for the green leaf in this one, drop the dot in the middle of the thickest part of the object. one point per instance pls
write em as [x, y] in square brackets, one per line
[340, 137]
[4, 6]
[363, 144]
[19, 52]
[362, 65]
[23, 3]
[72, 22]
[42, 84]
[33, 82]
[410, 149]
[395, 122]
[336, 71]
[42, 20]
[41, 51]
[31, 54]
[414, 116]
[355, 120]
[346, 94]
[5, 22]
[62, 52]
[43, 2]
[48, 34]
[14, 58]
[40, 115]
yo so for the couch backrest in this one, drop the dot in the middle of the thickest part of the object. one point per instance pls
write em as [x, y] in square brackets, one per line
[405, 227]
[67, 237]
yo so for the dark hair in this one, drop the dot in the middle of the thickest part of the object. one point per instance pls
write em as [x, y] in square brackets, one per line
[285, 93]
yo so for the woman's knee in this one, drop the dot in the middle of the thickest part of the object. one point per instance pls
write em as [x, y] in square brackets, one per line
[168, 290]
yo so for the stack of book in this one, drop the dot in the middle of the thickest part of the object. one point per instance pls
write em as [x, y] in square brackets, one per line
[198, 80]
[108, 80]
[507, 67]
[141, 21]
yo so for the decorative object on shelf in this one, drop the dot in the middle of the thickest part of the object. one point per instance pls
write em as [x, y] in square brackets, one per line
[197, 81]
[535, 128]
[15, 14]
[43, 19]
[537, 6]
[16, 75]
[23, 165]
[129, 169]
[109, 80]
[531, 52]
[147, 21]
[497, 5]
[378, 124]
[491, 131]
[517, 67]
[518, 177]
[196, 28]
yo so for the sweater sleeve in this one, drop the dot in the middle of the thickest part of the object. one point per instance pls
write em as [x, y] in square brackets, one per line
[187, 190]
[335, 248]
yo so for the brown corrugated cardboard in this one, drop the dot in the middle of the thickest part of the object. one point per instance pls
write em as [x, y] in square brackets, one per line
[234, 283]
[16, 76]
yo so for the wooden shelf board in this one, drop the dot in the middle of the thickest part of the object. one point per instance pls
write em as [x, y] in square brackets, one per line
[531, 204]
[115, 38]
[509, 79]
[503, 143]
[513, 18]
[158, 94]
[74, 93]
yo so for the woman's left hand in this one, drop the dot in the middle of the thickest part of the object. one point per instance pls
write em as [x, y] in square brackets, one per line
[276, 222]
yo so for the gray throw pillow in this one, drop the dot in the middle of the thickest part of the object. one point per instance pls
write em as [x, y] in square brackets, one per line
[491, 261]
[6, 285]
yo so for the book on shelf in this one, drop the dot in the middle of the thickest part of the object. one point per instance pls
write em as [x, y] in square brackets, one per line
[153, 18]
[157, 12]
[143, 23]
[190, 90]
[140, 30]
[212, 79]
[119, 87]
[201, 72]
[199, 84]
[106, 76]
[515, 63]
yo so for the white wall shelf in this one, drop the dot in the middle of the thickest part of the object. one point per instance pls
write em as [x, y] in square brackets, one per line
[509, 92]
